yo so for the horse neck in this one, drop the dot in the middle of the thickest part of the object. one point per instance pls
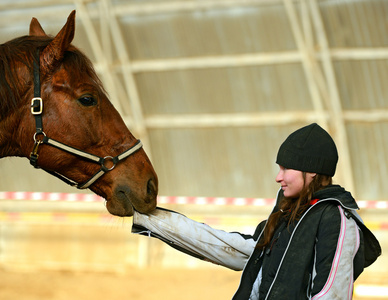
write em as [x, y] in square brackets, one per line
[12, 106]
[13, 99]
[10, 137]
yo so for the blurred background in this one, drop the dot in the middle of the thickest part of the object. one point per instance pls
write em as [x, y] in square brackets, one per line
[211, 87]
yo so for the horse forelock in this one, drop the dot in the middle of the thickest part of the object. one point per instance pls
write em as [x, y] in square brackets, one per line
[79, 65]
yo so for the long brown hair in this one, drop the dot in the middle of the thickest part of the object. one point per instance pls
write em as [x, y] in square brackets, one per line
[293, 208]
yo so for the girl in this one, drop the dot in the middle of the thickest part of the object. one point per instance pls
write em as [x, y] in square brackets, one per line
[313, 245]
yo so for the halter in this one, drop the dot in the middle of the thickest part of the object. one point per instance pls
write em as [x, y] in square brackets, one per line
[37, 112]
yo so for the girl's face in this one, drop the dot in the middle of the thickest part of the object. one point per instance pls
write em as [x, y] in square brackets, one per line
[292, 182]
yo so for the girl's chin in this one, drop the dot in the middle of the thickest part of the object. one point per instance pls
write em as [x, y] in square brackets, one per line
[289, 195]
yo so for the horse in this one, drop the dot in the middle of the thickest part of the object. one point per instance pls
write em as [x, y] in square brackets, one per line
[55, 112]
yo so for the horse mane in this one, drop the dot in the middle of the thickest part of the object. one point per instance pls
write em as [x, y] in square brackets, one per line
[22, 51]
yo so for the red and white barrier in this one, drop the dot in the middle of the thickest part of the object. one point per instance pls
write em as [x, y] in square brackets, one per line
[69, 197]
[37, 196]
[216, 201]
[103, 218]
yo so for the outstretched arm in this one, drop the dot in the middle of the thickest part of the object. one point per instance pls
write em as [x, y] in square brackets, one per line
[231, 250]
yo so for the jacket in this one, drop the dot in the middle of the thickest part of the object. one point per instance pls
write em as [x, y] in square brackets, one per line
[319, 257]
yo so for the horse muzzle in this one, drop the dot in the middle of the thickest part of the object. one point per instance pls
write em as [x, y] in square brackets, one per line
[125, 200]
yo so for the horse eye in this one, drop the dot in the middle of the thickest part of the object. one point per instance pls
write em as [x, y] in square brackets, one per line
[87, 100]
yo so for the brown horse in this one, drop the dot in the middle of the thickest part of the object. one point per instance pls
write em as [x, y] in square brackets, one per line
[54, 111]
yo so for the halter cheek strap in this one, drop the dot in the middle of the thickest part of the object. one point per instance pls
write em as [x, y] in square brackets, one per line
[41, 138]
[37, 102]
[36, 110]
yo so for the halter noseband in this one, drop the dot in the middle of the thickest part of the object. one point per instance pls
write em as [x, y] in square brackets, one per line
[37, 112]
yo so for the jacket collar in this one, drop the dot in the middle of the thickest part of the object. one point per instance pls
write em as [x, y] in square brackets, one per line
[338, 193]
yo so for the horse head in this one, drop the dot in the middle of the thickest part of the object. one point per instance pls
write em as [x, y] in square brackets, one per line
[77, 114]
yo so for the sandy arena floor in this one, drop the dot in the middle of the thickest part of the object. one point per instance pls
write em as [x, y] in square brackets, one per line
[140, 285]
[145, 284]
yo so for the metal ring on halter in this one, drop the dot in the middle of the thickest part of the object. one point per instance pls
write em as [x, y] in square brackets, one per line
[38, 133]
[103, 163]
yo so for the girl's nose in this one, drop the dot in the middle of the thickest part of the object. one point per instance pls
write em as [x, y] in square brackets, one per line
[279, 177]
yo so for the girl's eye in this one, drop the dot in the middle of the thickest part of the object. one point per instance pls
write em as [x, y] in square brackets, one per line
[87, 100]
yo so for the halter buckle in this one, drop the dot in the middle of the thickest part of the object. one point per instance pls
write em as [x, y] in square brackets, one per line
[36, 106]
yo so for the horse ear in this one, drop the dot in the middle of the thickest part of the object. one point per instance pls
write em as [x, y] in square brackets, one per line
[36, 29]
[56, 49]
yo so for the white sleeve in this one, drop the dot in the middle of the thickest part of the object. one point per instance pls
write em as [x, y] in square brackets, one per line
[231, 250]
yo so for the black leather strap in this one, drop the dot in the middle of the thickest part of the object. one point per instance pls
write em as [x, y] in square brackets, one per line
[37, 103]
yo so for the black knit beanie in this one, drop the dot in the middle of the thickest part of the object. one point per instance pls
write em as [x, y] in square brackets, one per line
[309, 149]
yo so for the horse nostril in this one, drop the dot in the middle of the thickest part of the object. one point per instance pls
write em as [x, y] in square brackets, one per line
[151, 187]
